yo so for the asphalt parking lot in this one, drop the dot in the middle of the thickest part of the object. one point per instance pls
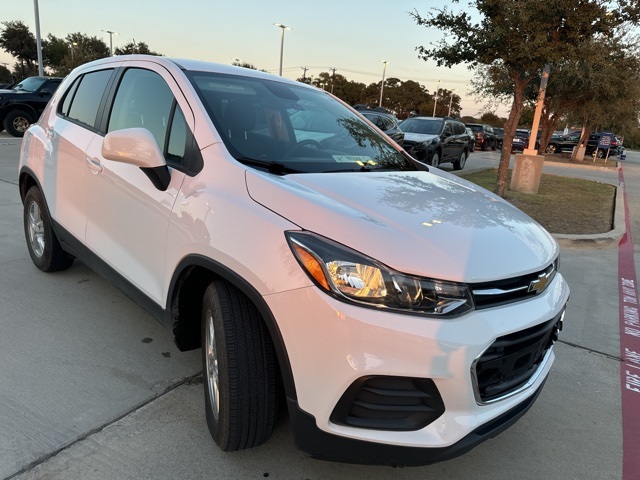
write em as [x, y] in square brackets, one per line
[93, 388]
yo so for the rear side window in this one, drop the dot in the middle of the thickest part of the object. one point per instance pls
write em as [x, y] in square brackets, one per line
[83, 101]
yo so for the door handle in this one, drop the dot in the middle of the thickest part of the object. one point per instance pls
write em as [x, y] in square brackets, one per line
[94, 165]
[49, 132]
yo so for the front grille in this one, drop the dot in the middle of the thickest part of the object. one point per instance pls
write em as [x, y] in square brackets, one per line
[499, 292]
[389, 403]
[510, 361]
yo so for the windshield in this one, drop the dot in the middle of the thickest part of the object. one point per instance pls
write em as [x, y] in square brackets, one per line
[30, 84]
[421, 125]
[286, 128]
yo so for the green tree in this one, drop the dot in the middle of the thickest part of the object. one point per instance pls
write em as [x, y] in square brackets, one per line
[599, 91]
[86, 48]
[134, 47]
[17, 40]
[56, 53]
[5, 74]
[519, 38]
[492, 119]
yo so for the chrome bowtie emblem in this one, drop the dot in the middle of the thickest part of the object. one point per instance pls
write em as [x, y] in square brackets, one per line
[540, 284]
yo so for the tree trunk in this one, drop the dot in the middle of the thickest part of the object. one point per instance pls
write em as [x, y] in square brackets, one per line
[510, 128]
[548, 127]
[584, 138]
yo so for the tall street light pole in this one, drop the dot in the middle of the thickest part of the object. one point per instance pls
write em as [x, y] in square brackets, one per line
[111, 34]
[384, 70]
[283, 28]
[435, 102]
[38, 38]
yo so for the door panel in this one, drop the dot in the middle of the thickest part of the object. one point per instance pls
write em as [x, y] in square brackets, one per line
[128, 217]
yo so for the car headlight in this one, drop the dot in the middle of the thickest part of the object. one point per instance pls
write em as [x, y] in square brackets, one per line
[353, 277]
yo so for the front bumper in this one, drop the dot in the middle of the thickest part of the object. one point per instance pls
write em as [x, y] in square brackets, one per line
[332, 344]
[325, 446]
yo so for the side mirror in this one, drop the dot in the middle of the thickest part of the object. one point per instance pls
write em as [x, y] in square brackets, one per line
[135, 146]
[138, 147]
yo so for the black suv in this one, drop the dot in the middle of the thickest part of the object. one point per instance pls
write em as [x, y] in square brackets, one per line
[485, 136]
[436, 140]
[22, 105]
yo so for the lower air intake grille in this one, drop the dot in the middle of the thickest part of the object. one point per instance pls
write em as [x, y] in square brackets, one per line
[512, 360]
[389, 403]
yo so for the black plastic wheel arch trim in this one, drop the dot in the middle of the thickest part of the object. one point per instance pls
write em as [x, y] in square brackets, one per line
[245, 287]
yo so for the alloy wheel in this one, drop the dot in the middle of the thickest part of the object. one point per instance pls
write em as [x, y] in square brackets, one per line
[36, 230]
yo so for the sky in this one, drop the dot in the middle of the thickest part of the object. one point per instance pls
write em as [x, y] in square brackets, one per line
[352, 36]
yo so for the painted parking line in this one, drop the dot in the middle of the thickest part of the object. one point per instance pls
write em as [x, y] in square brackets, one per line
[629, 349]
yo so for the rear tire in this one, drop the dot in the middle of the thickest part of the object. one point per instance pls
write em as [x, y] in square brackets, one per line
[16, 122]
[44, 247]
[238, 362]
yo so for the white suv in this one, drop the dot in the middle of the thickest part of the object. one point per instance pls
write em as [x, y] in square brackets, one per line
[403, 313]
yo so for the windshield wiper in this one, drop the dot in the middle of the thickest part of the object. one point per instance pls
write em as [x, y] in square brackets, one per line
[272, 167]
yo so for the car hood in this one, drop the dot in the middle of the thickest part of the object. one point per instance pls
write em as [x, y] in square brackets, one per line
[423, 223]
[419, 137]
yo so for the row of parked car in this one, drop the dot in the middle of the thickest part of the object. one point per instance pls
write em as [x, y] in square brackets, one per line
[435, 140]
[566, 143]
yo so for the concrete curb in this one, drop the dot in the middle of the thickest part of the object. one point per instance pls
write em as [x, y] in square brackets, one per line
[599, 240]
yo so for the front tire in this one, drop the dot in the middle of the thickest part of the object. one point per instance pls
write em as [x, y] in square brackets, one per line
[44, 247]
[459, 164]
[17, 122]
[239, 370]
[435, 159]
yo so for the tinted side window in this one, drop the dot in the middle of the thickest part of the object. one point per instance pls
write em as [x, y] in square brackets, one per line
[64, 108]
[388, 123]
[447, 129]
[176, 145]
[458, 129]
[86, 100]
[51, 85]
[143, 100]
